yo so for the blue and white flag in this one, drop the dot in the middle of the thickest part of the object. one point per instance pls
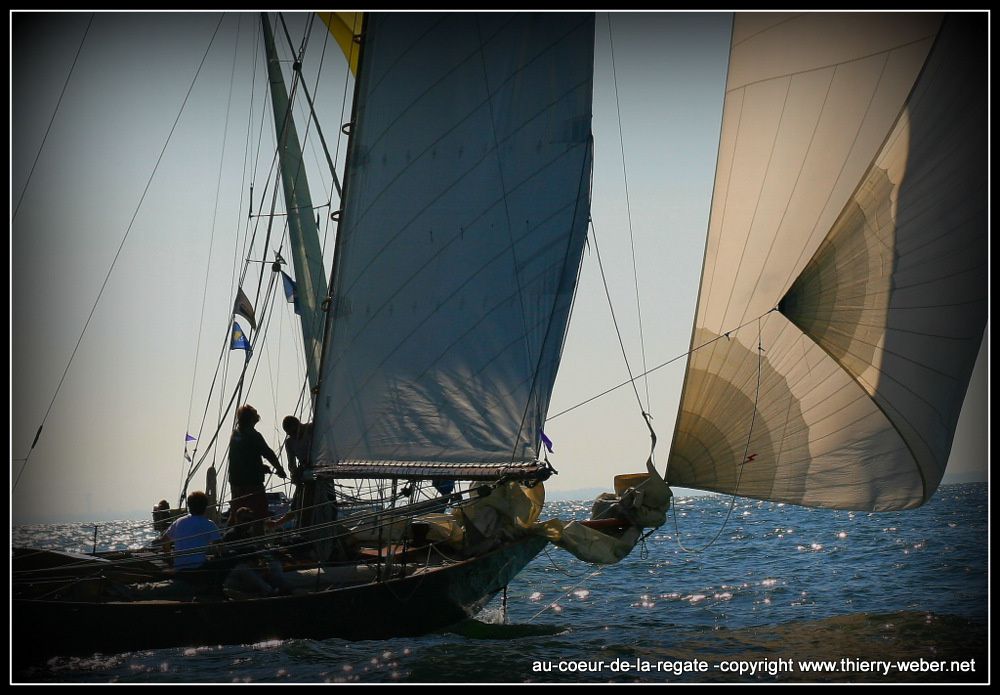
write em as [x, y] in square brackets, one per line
[240, 341]
[291, 292]
[189, 438]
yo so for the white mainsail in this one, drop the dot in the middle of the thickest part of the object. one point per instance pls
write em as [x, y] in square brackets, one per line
[466, 206]
[851, 189]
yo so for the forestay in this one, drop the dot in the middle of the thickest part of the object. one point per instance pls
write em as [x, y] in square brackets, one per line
[465, 216]
[851, 190]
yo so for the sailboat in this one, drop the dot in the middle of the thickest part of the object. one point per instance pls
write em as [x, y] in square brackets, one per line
[841, 308]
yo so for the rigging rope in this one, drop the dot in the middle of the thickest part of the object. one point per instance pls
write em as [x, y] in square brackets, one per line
[515, 264]
[312, 107]
[647, 418]
[298, 79]
[337, 525]
[742, 464]
[121, 246]
[211, 238]
[659, 366]
[559, 569]
[55, 111]
[614, 320]
[628, 212]
[564, 595]
[540, 416]
[260, 333]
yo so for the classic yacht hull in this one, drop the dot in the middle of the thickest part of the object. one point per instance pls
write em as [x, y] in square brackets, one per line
[421, 603]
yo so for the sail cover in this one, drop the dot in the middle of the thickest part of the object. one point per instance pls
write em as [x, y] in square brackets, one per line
[851, 195]
[465, 217]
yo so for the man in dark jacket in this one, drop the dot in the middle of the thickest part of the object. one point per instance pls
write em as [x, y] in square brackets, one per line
[246, 469]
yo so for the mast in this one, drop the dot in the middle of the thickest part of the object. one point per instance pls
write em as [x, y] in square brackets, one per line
[307, 256]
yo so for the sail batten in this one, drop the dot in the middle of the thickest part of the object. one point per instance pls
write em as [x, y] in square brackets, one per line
[424, 470]
[465, 217]
[876, 265]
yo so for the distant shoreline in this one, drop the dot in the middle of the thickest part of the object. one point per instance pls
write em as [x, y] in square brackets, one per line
[582, 495]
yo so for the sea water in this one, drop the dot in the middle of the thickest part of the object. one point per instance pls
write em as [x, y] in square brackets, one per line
[783, 594]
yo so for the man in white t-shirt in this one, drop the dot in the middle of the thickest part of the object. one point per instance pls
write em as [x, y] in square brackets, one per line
[191, 535]
[298, 447]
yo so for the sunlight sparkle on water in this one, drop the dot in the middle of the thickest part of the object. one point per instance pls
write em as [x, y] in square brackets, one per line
[877, 575]
[267, 644]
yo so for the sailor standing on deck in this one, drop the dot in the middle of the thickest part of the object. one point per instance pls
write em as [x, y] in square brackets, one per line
[246, 470]
[298, 448]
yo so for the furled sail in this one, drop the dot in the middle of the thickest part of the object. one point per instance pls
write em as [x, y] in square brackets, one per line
[466, 206]
[851, 191]
[306, 253]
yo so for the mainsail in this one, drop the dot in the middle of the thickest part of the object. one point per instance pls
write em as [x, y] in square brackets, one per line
[466, 206]
[851, 195]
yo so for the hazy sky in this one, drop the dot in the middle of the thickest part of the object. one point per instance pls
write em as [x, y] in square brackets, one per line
[114, 438]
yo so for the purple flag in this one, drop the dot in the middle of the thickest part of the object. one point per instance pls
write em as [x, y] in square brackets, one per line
[546, 441]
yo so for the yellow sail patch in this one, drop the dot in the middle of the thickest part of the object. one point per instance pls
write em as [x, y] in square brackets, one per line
[344, 26]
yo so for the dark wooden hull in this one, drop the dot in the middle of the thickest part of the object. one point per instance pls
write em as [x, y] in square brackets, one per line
[400, 607]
